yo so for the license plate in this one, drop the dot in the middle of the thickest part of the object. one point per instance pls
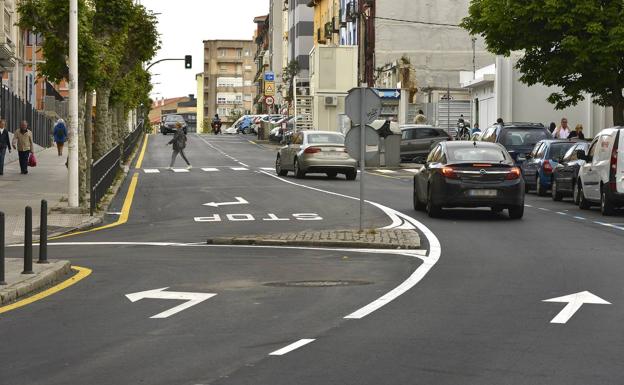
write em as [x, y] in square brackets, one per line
[482, 193]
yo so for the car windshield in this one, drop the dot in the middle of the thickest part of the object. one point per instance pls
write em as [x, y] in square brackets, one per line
[476, 154]
[174, 118]
[557, 150]
[325, 139]
[524, 137]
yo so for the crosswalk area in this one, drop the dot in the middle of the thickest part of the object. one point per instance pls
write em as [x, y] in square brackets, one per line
[184, 170]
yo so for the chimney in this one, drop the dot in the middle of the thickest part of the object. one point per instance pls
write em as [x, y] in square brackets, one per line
[191, 96]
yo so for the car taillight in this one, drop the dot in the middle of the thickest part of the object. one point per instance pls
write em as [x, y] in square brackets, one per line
[513, 174]
[312, 150]
[613, 163]
[547, 167]
[449, 173]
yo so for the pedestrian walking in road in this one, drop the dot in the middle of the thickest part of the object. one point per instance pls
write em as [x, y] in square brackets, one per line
[577, 133]
[60, 135]
[563, 131]
[420, 118]
[552, 127]
[23, 142]
[179, 144]
[216, 124]
[475, 129]
[500, 123]
[5, 144]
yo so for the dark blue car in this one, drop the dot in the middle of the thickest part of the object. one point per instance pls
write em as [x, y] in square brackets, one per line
[517, 138]
[541, 162]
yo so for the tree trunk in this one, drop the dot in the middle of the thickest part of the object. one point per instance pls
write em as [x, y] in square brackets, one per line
[618, 113]
[83, 164]
[102, 141]
[88, 134]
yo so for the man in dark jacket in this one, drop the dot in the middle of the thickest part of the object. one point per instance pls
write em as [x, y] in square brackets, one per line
[179, 144]
[5, 143]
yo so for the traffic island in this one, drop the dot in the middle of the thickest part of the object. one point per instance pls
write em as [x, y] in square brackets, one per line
[21, 285]
[368, 239]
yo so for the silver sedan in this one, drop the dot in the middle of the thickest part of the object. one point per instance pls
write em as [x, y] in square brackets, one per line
[315, 152]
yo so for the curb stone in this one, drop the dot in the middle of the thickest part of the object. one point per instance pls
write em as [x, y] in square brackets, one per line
[34, 283]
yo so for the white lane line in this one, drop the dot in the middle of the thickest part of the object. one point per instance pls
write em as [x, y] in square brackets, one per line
[239, 168]
[267, 168]
[114, 213]
[412, 170]
[528, 206]
[383, 171]
[399, 221]
[609, 225]
[210, 169]
[243, 164]
[291, 347]
[543, 209]
[151, 170]
[562, 213]
[580, 218]
[180, 170]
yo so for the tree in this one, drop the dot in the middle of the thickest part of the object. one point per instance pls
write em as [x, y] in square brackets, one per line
[577, 45]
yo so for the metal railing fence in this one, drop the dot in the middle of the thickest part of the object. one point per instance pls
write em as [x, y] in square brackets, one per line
[14, 110]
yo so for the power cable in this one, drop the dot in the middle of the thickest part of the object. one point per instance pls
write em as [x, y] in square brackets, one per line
[417, 22]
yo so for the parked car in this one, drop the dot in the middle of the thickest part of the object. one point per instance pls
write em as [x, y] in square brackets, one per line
[518, 138]
[566, 172]
[537, 169]
[601, 178]
[315, 152]
[469, 174]
[168, 123]
[418, 140]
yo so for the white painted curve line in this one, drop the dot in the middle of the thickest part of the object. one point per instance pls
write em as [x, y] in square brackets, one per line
[291, 347]
[267, 168]
[239, 168]
[383, 171]
[543, 209]
[151, 171]
[399, 221]
[243, 164]
[611, 225]
[210, 169]
[561, 213]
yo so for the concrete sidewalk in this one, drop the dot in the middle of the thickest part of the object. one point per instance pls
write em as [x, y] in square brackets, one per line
[20, 285]
[46, 181]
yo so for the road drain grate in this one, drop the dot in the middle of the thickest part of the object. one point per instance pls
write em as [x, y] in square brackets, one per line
[317, 283]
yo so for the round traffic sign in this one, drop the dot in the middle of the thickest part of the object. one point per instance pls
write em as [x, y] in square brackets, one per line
[269, 100]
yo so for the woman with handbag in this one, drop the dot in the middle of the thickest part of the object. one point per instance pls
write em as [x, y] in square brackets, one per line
[23, 142]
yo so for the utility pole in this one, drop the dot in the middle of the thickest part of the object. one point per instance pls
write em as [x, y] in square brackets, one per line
[73, 104]
[33, 90]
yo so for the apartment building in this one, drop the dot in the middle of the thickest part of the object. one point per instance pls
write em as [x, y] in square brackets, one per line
[228, 78]
[300, 34]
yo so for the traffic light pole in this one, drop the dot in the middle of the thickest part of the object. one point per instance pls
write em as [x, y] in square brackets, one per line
[72, 163]
[162, 60]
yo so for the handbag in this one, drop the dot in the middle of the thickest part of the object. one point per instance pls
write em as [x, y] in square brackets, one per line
[32, 160]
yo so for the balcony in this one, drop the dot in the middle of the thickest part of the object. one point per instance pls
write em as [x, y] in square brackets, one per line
[7, 46]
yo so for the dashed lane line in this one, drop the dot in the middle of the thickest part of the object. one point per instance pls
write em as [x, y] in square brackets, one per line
[239, 168]
[291, 347]
[580, 218]
[210, 169]
[151, 170]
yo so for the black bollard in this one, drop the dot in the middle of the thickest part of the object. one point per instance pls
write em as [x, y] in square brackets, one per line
[2, 277]
[28, 262]
[43, 233]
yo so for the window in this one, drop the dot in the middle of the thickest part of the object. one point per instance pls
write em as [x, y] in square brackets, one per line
[229, 82]
[425, 133]
[221, 100]
[489, 135]
[592, 149]
[571, 154]
[535, 150]
[557, 150]
[223, 68]
[326, 139]
[221, 52]
[239, 52]
[435, 154]
[248, 83]
[476, 154]
[542, 151]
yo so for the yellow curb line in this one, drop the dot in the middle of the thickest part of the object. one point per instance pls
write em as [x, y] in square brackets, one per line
[123, 218]
[82, 272]
[142, 155]
[252, 142]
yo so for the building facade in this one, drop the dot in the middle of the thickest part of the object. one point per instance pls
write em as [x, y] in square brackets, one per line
[300, 34]
[228, 78]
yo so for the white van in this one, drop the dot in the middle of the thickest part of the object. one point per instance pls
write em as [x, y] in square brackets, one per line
[601, 179]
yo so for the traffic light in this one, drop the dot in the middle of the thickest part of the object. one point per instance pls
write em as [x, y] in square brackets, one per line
[188, 62]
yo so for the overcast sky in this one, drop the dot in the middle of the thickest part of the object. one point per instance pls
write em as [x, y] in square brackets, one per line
[184, 24]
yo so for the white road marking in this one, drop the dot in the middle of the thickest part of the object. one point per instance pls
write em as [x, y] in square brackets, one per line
[210, 169]
[543, 209]
[399, 221]
[243, 164]
[151, 170]
[609, 225]
[561, 213]
[384, 171]
[291, 347]
[528, 206]
[574, 303]
[191, 299]
[579, 218]
[239, 168]
[239, 201]
[180, 170]
[267, 168]
[114, 213]
[413, 170]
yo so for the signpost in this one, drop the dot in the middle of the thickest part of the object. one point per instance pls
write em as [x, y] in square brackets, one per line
[269, 101]
[363, 106]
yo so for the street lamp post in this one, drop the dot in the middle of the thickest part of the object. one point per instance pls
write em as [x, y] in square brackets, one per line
[73, 105]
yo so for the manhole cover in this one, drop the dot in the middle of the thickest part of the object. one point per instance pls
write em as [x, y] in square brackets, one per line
[317, 283]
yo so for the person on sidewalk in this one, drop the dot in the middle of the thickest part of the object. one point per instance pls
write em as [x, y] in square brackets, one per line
[563, 131]
[23, 142]
[60, 135]
[420, 118]
[577, 133]
[5, 144]
[179, 144]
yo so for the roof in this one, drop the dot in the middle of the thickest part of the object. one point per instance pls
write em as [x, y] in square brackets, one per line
[261, 19]
[469, 143]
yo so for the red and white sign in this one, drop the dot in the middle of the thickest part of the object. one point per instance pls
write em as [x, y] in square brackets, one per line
[269, 100]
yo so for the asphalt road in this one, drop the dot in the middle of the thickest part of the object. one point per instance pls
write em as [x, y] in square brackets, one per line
[477, 317]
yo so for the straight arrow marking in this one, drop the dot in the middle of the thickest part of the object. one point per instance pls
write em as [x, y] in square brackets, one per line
[191, 299]
[239, 201]
[574, 303]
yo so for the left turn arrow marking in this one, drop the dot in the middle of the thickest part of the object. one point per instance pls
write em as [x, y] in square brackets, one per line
[191, 299]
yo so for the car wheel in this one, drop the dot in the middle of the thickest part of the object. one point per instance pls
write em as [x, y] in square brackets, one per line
[539, 189]
[556, 195]
[278, 167]
[527, 188]
[433, 210]
[351, 175]
[332, 175]
[418, 205]
[516, 212]
[606, 206]
[584, 204]
[299, 174]
[575, 194]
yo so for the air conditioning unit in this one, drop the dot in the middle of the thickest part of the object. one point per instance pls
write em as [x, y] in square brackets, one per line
[331, 101]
